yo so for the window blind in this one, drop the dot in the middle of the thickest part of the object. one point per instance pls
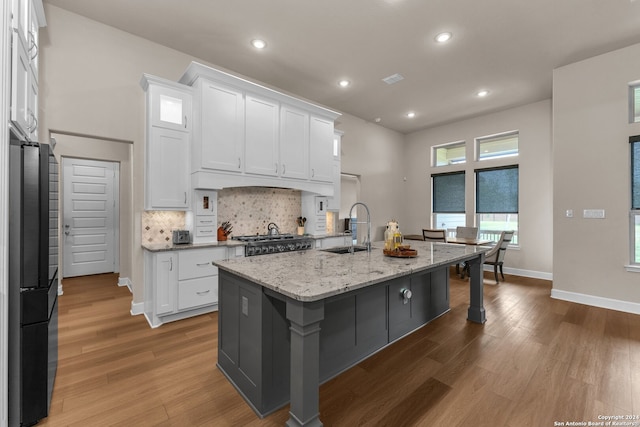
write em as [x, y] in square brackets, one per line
[635, 172]
[497, 190]
[448, 192]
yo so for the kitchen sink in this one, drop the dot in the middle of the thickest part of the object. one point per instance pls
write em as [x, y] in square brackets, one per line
[345, 249]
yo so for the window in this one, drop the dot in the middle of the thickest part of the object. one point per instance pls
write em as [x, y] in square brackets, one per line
[448, 200]
[497, 201]
[497, 146]
[635, 199]
[634, 102]
[449, 154]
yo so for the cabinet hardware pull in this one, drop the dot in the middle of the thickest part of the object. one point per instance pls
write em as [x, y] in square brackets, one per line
[203, 221]
[185, 122]
[284, 168]
[170, 263]
[202, 264]
[203, 292]
[276, 167]
[185, 197]
[313, 172]
[239, 163]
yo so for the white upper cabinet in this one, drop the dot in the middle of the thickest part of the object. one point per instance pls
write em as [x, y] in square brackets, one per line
[261, 136]
[167, 145]
[334, 201]
[171, 109]
[221, 125]
[294, 142]
[27, 18]
[321, 149]
[246, 134]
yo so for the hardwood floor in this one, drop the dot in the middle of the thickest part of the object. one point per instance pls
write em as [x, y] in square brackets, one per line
[535, 362]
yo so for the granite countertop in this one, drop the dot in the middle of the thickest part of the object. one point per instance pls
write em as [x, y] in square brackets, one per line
[161, 247]
[315, 274]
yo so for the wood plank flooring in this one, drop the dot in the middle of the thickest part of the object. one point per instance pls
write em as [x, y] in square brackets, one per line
[535, 362]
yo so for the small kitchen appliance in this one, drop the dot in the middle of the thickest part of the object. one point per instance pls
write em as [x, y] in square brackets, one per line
[181, 237]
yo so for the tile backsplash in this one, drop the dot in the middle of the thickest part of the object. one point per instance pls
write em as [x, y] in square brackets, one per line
[158, 225]
[251, 209]
[248, 209]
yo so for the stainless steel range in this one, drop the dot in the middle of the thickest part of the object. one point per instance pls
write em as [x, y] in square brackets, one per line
[270, 244]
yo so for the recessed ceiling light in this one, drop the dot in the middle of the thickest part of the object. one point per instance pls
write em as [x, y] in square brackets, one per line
[344, 83]
[258, 44]
[443, 37]
[377, 120]
[482, 93]
[411, 114]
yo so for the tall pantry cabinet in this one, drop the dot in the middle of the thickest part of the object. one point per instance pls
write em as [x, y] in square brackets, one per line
[27, 16]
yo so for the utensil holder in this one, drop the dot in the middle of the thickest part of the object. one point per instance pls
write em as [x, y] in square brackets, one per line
[300, 231]
[221, 235]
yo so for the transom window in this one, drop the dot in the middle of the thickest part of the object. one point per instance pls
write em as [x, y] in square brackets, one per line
[449, 154]
[634, 102]
[497, 146]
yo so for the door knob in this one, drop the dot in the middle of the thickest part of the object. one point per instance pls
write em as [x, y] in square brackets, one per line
[406, 295]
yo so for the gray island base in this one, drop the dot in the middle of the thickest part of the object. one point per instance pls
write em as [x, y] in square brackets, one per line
[289, 322]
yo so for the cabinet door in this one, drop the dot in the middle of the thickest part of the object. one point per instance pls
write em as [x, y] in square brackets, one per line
[261, 136]
[32, 106]
[321, 149]
[294, 143]
[334, 201]
[166, 282]
[167, 169]
[20, 84]
[170, 108]
[222, 123]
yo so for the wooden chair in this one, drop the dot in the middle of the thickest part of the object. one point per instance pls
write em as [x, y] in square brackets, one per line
[496, 255]
[434, 235]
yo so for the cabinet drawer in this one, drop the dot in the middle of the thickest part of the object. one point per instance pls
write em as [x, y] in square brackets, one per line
[199, 262]
[197, 292]
[206, 221]
[206, 231]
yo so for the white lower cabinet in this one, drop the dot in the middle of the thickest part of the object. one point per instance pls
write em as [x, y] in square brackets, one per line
[181, 283]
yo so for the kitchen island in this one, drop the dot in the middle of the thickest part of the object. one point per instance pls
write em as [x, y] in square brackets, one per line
[289, 322]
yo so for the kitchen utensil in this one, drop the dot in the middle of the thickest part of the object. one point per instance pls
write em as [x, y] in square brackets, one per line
[272, 229]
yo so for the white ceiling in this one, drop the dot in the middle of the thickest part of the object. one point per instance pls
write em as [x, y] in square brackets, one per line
[509, 47]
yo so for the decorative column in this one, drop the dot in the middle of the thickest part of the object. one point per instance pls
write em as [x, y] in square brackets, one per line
[305, 318]
[476, 290]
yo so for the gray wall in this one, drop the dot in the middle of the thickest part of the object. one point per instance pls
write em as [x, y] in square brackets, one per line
[591, 166]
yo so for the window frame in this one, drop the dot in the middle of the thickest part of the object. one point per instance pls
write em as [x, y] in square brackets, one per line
[516, 241]
[634, 101]
[634, 211]
[492, 138]
[434, 156]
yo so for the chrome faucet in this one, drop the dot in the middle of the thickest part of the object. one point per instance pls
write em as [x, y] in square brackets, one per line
[367, 242]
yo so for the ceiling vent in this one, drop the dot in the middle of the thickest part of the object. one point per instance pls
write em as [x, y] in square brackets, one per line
[394, 78]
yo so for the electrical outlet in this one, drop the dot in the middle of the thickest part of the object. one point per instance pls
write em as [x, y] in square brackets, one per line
[569, 213]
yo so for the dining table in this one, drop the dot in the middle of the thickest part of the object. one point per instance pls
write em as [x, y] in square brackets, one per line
[467, 241]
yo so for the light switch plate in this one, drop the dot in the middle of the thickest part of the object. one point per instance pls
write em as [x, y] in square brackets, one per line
[569, 213]
[593, 213]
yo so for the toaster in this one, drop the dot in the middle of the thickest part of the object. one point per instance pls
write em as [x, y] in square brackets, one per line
[181, 237]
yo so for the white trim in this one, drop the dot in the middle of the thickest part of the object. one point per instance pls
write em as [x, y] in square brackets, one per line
[5, 101]
[137, 308]
[595, 301]
[125, 281]
[524, 273]
[633, 268]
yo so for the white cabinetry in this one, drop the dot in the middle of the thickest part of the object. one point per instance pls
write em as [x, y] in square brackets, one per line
[321, 149]
[27, 18]
[167, 147]
[261, 136]
[248, 135]
[181, 283]
[294, 142]
[334, 201]
[219, 136]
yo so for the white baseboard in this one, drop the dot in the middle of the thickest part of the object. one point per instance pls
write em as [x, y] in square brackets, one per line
[524, 273]
[612, 304]
[125, 281]
[137, 308]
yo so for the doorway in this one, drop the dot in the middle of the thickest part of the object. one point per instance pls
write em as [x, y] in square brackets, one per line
[90, 220]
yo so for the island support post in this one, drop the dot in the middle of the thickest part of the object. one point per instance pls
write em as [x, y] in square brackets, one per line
[476, 290]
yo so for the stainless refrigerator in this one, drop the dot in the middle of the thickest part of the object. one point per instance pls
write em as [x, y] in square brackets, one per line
[33, 288]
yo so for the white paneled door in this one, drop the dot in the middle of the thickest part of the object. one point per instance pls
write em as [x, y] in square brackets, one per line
[88, 226]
